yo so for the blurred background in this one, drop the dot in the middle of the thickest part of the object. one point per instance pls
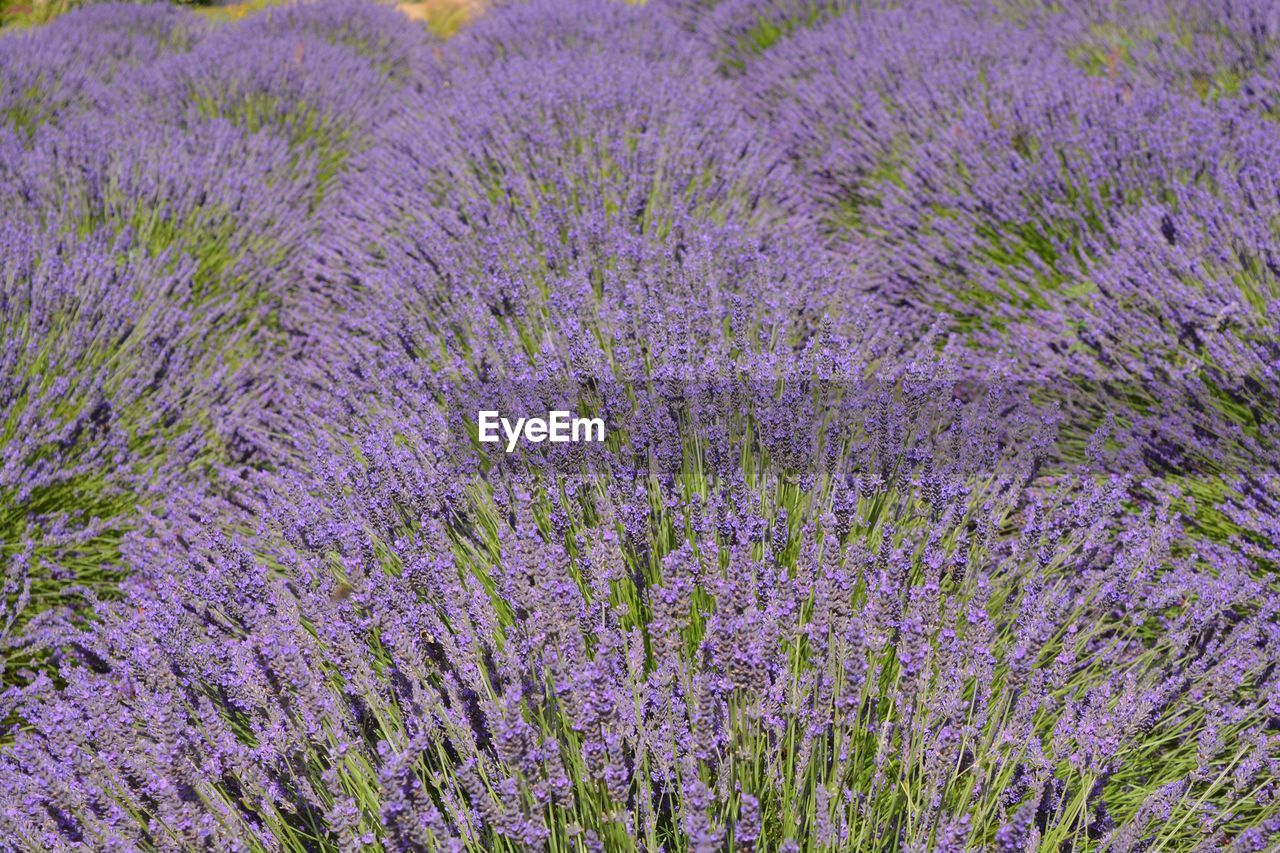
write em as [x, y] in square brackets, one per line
[442, 17]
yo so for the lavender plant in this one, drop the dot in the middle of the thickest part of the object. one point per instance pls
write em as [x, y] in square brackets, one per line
[937, 500]
[151, 253]
[68, 67]
[617, 122]
[744, 650]
[737, 32]
[1019, 233]
[87, 402]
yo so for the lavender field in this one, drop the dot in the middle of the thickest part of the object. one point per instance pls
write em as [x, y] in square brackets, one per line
[936, 348]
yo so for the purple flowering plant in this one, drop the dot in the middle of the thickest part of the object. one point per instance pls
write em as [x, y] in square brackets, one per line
[938, 490]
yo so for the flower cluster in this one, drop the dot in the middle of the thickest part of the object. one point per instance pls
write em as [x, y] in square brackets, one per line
[154, 236]
[936, 350]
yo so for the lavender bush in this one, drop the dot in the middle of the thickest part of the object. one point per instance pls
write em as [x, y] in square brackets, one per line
[153, 245]
[1005, 205]
[68, 67]
[88, 414]
[939, 493]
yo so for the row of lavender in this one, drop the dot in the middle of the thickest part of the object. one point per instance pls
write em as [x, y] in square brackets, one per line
[937, 352]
